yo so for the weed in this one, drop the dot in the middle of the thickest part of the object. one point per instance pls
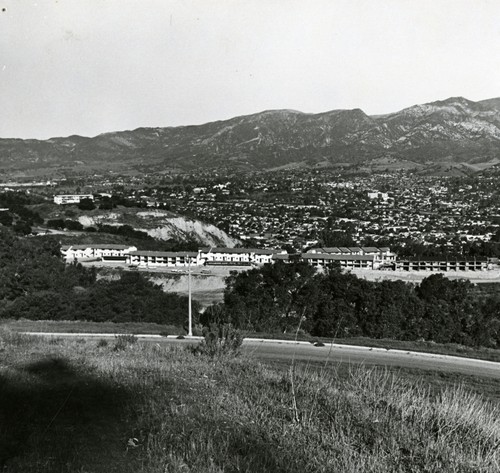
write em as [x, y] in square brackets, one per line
[102, 343]
[219, 340]
[124, 341]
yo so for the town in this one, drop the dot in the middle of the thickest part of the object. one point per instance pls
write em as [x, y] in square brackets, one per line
[430, 222]
[300, 209]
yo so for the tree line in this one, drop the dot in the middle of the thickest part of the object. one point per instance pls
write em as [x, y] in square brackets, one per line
[283, 297]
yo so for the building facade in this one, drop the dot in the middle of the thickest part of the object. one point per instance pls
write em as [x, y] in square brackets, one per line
[168, 259]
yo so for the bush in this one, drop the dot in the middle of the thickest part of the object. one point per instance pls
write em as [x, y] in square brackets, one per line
[219, 340]
[124, 341]
[102, 343]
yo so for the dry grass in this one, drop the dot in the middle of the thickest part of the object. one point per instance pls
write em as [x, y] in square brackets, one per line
[74, 406]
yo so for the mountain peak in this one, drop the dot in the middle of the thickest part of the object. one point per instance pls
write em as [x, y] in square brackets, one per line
[454, 102]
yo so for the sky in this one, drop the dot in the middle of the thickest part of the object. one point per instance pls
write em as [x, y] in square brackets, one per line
[92, 66]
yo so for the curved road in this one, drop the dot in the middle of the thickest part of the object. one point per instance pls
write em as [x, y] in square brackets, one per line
[287, 351]
[373, 356]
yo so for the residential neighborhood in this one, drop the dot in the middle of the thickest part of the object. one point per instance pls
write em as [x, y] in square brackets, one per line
[300, 209]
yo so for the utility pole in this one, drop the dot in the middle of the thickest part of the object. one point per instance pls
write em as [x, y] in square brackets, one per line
[190, 315]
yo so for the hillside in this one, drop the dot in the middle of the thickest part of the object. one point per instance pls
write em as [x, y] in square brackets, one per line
[159, 224]
[119, 406]
[451, 130]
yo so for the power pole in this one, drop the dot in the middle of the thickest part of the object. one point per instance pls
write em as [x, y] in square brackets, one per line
[190, 315]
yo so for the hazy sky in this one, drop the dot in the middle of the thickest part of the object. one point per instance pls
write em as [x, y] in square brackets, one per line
[91, 66]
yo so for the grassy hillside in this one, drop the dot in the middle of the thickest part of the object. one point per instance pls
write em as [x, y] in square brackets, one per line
[126, 407]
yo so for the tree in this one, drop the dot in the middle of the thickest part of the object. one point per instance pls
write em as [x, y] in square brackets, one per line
[274, 297]
[6, 218]
[86, 204]
[450, 308]
[22, 227]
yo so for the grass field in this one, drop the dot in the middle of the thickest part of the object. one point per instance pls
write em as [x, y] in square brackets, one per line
[137, 328]
[120, 406]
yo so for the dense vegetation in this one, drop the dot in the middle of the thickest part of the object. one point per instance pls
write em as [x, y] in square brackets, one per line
[36, 284]
[286, 297]
[16, 213]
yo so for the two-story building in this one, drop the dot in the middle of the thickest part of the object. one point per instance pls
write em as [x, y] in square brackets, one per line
[169, 259]
[102, 252]
[239, 256]
[352, 257]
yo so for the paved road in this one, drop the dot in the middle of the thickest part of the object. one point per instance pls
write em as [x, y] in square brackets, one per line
[303, 351]
[374, 356]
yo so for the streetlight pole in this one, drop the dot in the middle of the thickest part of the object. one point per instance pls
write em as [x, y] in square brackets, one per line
[190, 315]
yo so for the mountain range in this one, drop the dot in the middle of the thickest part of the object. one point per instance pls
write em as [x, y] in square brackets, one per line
[454, 130]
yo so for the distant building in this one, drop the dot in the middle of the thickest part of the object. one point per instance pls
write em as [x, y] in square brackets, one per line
[345, 261]
[71, 198]
[345, 258]
[353, 257]
[378, 195]
[443, 265]
[163, 259]
[239, 256]
[104, 252]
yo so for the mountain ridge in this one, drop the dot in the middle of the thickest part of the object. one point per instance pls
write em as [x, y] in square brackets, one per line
[453, 129]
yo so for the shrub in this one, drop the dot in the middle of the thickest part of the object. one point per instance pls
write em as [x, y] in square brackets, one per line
[124, 341]
[219, 340]
[102, 343]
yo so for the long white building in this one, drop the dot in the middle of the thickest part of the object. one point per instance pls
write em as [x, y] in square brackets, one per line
[109, 252]
[239, 256]
[367, 257]
[159, 259]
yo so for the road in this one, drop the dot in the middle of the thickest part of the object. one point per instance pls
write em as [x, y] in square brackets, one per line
[373, 356]
[286, 351]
